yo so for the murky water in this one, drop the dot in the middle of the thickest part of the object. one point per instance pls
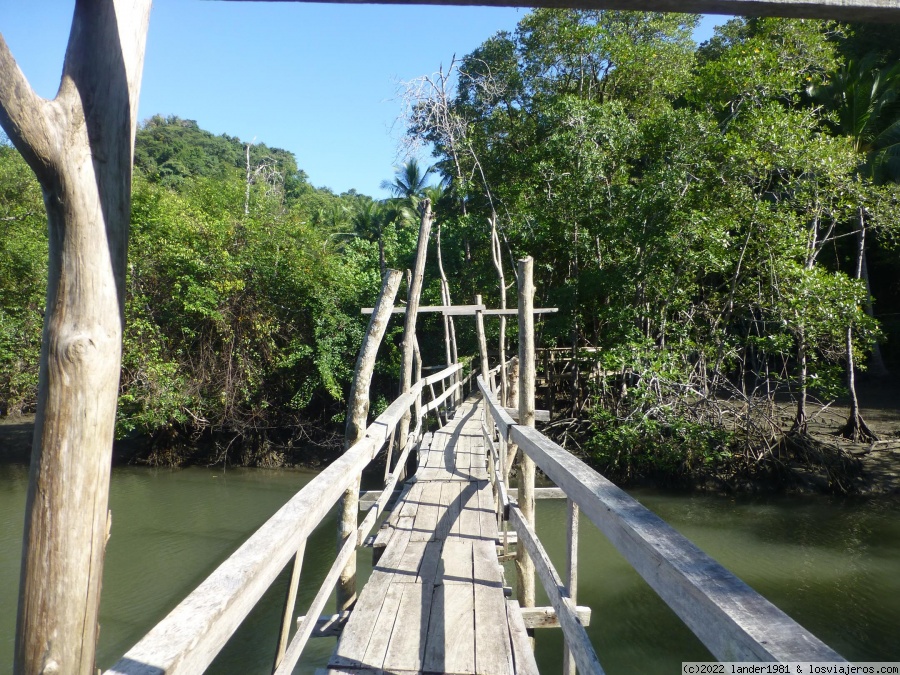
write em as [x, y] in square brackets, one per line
[833, 565]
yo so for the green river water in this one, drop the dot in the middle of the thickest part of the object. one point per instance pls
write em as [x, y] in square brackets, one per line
[832, 564]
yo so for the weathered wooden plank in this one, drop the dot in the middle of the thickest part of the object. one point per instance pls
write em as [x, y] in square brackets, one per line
[523, 656]
[407, 568]
[545, 617]
[730, 618]
[436, 475]
[498, 414]
[327, 626]
[381, 636]
[486, 514]
[485, 567]
[456, 561]
[440, 399]
[304, 630]
[407, 650]
[450, 644]
[409, 506]
[449, 495]
[493, 654]
[430, 566]
[188, 639]
[447, 310]
[351, 648]
[843, 10]
[540, 493]
[569, 666]
[393, 554]
[427, 512]
[513, 312]
[368, 498]
[539, 415]
[442, 374]
[576, 638]
[469, 519]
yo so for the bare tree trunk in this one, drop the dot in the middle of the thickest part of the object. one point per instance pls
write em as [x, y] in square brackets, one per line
[524, 564]
[412, 309]
[800, 418]
[357, 414]
[856, 428]
[877, 367]
[497, 255]
[449, 327]
[80, 146]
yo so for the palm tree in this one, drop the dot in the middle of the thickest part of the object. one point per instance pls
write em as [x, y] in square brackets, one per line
[867, 102]
[409, 182]
[369, 220]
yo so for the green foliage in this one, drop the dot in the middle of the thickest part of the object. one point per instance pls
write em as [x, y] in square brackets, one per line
[23, 282]
[686, 206]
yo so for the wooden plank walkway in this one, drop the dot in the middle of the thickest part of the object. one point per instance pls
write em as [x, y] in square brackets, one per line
[435, 600]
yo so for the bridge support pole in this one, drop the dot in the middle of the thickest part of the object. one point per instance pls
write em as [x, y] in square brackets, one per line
[357, 414]
[412, 310]
[524, 564]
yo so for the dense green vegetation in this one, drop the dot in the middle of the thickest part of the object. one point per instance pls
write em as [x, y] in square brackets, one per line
[243, 295]
[705, 217]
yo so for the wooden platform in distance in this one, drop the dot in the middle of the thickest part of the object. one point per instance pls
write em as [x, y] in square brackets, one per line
[435, 601]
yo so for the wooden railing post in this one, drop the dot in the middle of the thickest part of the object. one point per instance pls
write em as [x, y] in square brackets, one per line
[482, 343]
[524, 564]
[358, 412]
[290, 601]
[572, 575]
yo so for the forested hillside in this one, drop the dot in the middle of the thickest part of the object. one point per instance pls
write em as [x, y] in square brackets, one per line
[706, 218]
[243, 296]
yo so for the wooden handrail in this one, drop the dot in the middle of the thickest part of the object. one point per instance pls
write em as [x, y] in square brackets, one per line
[731, 619]
[187, 640]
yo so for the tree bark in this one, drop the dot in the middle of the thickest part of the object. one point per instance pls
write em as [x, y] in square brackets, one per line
[856, 428]
[524, 564]
[412, 309]
[357, 414]
[449, 327]
[80, 146]
[497, 255]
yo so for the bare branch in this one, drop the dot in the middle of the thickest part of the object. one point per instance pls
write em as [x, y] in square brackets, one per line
[23, 113]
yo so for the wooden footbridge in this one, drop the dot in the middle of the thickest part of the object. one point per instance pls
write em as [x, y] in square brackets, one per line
[438, 600]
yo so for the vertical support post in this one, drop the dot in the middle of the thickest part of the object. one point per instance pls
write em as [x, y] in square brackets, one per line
[81, 148]
[482, 350]
[524, 564]
[482, 343]
[290, 601]
[358, 411]
[571, 574]
[412, 311]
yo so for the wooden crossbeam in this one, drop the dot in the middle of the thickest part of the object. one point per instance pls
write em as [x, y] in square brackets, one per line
[466, 310]
[842, 10]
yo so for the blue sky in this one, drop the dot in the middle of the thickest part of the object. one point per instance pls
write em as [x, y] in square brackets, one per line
[318, 80]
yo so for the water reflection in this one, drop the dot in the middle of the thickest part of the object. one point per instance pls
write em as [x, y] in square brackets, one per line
[833, 565]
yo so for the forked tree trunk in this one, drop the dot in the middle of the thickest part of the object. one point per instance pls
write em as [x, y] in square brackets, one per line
[412, 310]
[80, 146]
[357, 414]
